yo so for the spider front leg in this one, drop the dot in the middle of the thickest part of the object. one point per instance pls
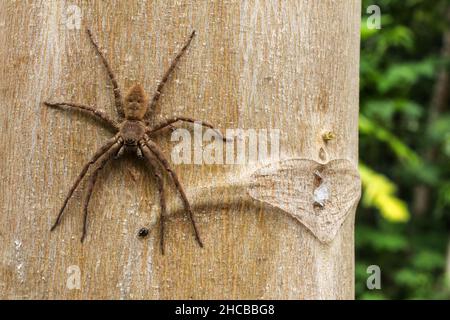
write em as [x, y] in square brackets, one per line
[156, 151]
[83, 172]
[153, 164]
[170, 122]
[116, 89]
[98, 114]
[93, 178]
[164, 79]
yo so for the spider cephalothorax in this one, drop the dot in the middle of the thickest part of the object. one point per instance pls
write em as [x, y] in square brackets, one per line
[133, 134]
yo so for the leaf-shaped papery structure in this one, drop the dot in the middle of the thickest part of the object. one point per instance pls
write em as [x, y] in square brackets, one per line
[318, 195]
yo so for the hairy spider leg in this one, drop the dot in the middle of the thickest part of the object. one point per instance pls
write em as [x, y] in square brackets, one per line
[83, 172]
[98, 114]
[170, 122]
[163, 161]
[164, 79]
[153, 164]
[93, 178]
[116, 89]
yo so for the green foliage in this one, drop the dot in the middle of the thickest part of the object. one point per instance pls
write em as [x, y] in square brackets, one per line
[379, 192]
[404, 145]
[380, 241]
[401, 150]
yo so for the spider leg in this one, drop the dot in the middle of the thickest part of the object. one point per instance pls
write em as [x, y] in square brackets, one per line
[83, 172]
[116, 89]
[120, 152]
[98, 114]
[153, 163]
[163, 161]
[164, 79]
[169, 122]
[92, 179]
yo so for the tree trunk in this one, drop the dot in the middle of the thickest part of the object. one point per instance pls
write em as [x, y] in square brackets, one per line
[261, 64]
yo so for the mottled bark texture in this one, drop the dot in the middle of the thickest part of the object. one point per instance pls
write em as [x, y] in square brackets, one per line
[257, 64]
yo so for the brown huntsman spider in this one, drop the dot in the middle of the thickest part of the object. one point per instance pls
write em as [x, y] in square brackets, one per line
[133, 135]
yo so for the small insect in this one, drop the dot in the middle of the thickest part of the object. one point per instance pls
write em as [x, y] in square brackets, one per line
[132, 135]
[143, 232]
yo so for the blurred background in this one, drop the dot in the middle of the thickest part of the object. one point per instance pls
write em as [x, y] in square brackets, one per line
[403, 221]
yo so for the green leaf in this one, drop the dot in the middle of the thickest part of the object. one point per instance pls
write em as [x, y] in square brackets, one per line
[379, 192]
[406, 74]
[381, 241]
[412, 279]
[429, 260]
[402, 151]
[385, 109]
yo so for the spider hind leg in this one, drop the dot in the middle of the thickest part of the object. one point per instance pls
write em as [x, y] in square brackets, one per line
[103, 149]
[92, 179]
[154, 149]
[153, 164]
